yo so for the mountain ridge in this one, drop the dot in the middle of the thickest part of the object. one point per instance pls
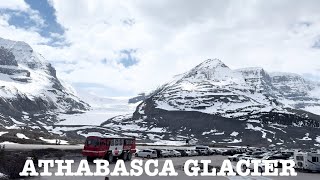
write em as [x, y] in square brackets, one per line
[210, 102]
[31, 95]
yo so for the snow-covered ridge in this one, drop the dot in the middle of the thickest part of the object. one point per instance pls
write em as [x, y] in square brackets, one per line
[29, 87]
[213, 70]
[212, 103]
[23, 52]
[213, 88]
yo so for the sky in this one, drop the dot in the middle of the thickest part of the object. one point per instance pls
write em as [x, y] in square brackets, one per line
[122, 48]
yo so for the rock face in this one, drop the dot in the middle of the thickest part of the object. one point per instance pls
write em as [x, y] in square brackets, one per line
[140, 97]
[213, 104]
[30, 92]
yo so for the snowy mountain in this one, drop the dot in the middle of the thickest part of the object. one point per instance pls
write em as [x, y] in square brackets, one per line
[31, 95]
[211, 103]
[214, 104]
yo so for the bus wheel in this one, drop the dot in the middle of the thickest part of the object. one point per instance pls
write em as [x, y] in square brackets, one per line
[129, 156]
[90, 159]
[125, 156]
[109, 158]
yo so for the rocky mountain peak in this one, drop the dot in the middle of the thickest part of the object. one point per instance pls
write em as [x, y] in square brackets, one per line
[29, 85]
[286, 77]
[213, 70]
[7, 58]
[213, 104]
[211, 64]
[23, 53]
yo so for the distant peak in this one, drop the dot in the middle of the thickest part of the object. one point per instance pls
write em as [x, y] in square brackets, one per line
[214, 60]
[211, 63]
[258, 70]
[251, 69]
[285, 74]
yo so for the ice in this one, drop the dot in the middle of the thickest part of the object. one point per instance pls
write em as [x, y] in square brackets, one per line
[306, 138]
[53, 141]
[257, 128]
[313, 109]
[7, 142]
[254, 121]
[21, 136]
[131, 134]
[102, 109]
[234, 133]
[168, 143]
[236, 141]
[2, 175]
[3, 132]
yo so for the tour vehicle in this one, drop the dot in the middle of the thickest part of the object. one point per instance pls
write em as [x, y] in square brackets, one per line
[307, 161]
[109, 148]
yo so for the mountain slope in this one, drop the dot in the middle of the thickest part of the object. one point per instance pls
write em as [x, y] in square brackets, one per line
[31, 95]
[212, 103]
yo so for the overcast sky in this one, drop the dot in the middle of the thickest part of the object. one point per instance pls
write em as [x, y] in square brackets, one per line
[121, 48]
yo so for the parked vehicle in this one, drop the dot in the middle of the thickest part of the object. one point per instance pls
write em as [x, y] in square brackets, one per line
[188, 152]
[211, 151]
[220, 151]
[261, 167]
[194, 153]
[184, 152]
[276, 157]
[246, 157]
[147, 153]
[159, 153]
[109, 148]
[235, 157]
[174, 153]
[307, 161]
[203, 150]
[229, 152]
[165, 153]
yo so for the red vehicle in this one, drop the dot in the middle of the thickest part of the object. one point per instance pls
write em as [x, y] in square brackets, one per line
[109, 148]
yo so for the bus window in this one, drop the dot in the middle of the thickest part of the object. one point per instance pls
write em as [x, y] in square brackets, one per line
[92, 142]
[315, 159]
[127, 142]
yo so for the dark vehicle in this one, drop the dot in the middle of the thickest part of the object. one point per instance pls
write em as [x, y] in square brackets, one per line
[258, 154]
[159, 153]
[183, 152]
[229, 152]
[202, 150]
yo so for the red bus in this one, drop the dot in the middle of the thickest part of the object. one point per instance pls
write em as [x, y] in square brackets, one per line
[109, 148]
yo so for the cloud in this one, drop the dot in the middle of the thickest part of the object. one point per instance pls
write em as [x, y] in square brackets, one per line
[14, 5]
[171, 37]
[20, 9]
